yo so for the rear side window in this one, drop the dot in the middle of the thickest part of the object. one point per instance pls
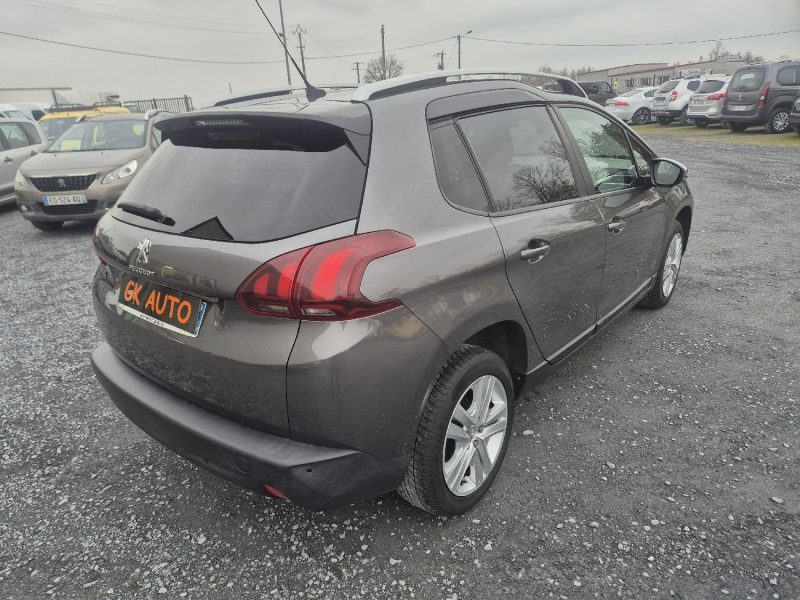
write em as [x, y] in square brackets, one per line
[250, 184]
[14, 134]
[789, 76]
[31, 132]
[747, 80]
[522, 158]
[710, 85]
[669, 86]
[457, 177]
[693, 85]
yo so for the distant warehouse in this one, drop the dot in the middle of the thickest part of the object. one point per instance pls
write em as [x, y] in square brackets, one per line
[637, 75]
[45, 95]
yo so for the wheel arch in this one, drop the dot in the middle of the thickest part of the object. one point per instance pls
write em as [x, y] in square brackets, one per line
[684, 217]
[507, 339]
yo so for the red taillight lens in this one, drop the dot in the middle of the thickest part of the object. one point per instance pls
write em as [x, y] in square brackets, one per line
[274, 491]
[621, 103]
[323, 282]
[718, 96]
[762, 98]
[673, 96]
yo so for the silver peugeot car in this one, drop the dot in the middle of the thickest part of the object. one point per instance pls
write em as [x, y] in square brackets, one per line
[330, 300]
[85, 170]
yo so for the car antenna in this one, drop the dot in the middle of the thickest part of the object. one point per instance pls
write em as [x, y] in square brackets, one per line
[312, 93]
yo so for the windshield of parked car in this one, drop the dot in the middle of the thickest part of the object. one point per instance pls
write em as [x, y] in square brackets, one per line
[97, 134]
[710, 85]
[747, 80]
[669, 85]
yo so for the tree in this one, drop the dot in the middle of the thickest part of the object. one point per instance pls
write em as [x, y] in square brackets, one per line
[716, 52]
[376, 72]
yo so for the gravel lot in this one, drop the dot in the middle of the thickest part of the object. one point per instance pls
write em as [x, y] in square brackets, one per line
[662, 461]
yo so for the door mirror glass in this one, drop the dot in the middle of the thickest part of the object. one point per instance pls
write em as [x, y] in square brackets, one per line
[667, 172]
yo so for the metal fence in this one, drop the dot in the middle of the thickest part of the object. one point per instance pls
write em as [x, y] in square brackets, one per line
[176, 105]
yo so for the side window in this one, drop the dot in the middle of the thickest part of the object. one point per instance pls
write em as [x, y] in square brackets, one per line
[521, 156]
[789, 76]
[693, 85]
[649, 94]
[604, 147]
[14, 135]
[605, 88]
[155, 138]
[641, 156]
[454, 169]
[33, 135]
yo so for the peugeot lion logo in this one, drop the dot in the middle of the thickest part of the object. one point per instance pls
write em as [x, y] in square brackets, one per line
[143, 248]
[61, 183]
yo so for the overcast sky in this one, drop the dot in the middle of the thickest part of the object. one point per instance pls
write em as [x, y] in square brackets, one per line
[191, 29]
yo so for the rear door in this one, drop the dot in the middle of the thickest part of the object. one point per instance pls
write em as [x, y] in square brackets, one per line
[633, 212]
[16, 148]
[744, 90]
[553, 240]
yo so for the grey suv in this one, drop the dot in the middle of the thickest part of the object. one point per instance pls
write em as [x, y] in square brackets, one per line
[331, 300]
[82, 173]
[762, 94]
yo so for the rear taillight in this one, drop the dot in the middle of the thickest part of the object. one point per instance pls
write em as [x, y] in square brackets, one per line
[673, 96]
[621, 103]
[719, 96]
[323, 282]
[762, 98]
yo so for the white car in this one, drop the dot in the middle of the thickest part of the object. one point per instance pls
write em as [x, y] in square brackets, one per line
[671, 99]
[19, 140]
[9, 111]
[706, 104]
[634, 106]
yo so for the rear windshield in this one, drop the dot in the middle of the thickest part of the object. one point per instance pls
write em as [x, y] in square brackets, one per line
[631, 93]
[669, 85]
[710, 85]
[747, 80]
[251, 185]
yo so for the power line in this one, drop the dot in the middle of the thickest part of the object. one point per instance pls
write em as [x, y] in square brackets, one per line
[158, 14]
[141, 55]
[629, 45]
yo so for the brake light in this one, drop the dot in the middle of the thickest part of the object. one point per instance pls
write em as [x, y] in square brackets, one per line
[323, 282]
[762, 99]
[622, 103]
[673, 96]
[719, 96]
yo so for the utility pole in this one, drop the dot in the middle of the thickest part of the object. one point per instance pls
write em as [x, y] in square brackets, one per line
[440, 56]
[459, 46]
[300, 31]
[357, 70]
[286, 48]
[383, 52]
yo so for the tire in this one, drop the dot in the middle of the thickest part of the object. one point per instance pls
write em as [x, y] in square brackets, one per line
[664, 120]
[47, 225]
[738, 127]
[701, 122]
[682, 120]
[797, 130]
[660, 294]
[641, 116]
[778, 121]
[455, 387]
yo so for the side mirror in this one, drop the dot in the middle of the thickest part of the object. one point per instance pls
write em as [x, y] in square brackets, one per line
[666, 173]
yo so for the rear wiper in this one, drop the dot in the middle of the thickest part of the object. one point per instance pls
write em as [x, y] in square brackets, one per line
[148, 212]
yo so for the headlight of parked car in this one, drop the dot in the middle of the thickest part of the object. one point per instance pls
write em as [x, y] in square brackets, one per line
[126, 170]
[20, 180]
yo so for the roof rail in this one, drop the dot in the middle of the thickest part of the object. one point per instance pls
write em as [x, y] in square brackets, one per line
[154, 111]
[104, 104]
[268, 95]
[407, 83]
[68, 107]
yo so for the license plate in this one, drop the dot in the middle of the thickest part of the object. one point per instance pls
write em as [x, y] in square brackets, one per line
[161, 306]
[698, 102]
[739, 107]
[65, 200]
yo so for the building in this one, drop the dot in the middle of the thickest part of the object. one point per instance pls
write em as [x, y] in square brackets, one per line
[46, 95]
[628, 77]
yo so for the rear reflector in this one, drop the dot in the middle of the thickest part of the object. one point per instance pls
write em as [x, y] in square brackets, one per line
[273, 492]
[621, 103]
[323, 282]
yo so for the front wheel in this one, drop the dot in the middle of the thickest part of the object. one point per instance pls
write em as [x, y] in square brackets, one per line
[641, 116]
[463, 433]
[668, 272]
[778, 121]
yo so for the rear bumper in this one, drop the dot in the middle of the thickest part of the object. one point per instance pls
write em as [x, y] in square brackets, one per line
[666, 112]
[759, 117]
[315, 477]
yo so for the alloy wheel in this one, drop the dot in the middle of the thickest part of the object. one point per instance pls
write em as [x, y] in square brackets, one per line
[475, 435]
[780, 122]
[672, 265]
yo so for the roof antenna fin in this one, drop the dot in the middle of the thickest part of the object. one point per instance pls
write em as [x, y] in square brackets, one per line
[312, 93]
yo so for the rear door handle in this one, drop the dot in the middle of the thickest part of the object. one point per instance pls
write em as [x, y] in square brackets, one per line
[537, 253]
[8, 159]
[616, 226]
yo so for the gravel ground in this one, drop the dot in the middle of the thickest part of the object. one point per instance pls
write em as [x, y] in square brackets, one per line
[662, 461]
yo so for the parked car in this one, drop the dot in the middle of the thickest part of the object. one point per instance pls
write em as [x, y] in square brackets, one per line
[327, 301]
[598, 91]
[63, 116]
[82, 174]
[9, 111]
[794, 116]
[33, 110]
[705, 105]
[633, 106]
[671, 100]
[762, 94]
[19, 140]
